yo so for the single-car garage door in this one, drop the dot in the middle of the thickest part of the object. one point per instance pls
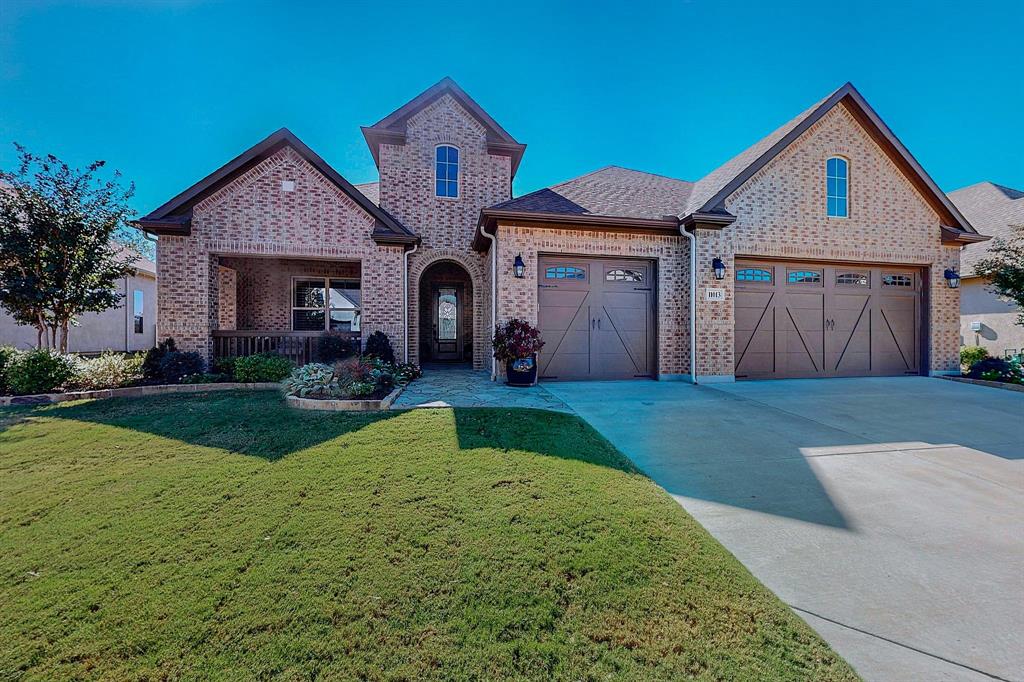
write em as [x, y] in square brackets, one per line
[817, 320]
[596, 317]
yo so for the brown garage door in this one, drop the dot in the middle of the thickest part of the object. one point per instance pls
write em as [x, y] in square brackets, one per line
[596, 318]
[815, 320]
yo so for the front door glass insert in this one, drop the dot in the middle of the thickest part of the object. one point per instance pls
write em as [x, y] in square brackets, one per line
[447, 315]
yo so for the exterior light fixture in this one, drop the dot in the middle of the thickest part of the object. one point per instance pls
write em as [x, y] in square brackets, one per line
[519, 267]
[719, 267]
[952, 278]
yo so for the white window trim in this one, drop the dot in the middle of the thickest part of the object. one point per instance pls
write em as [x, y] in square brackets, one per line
[847, 179]
[139, 311]
[326, 309]
[458, 166]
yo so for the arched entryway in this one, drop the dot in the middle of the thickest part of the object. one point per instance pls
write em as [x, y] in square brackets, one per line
[446, 313]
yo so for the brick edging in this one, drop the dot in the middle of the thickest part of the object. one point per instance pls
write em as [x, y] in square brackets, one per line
[343, 404]
[991, 384]
[131, 392]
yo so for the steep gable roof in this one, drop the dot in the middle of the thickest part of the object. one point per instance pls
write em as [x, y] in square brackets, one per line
[994, 210]
[175, 216]
[709, 194]
[392, 128]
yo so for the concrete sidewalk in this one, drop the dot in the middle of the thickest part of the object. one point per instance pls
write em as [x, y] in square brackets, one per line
[889, 513]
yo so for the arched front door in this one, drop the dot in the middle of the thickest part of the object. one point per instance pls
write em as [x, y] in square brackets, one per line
[446, 327]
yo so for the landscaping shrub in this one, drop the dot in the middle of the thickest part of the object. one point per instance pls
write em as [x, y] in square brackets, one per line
[225, 366]
[334, 346]
[264, 367]
[516, 339]
[407, 372]
[379, 346]
[154, 356]
[971, 354]
[40, 371]
[995, 369]
[315, 380]
[205, 378]
[7, 354]
[176, 365]
[110, 370]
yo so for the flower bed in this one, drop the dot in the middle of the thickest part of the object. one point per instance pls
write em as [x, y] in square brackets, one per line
[356, 384]
[344, 404]
[131, 392]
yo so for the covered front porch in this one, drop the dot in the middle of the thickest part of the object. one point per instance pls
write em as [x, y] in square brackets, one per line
[283, 305]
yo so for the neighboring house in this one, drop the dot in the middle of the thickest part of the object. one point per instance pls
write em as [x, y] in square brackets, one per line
[832, 241]
[985, 319]
[130, 326]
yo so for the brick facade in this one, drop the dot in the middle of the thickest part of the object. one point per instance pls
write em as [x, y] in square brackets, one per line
[254, 217]
[445, 226]
[781, 214]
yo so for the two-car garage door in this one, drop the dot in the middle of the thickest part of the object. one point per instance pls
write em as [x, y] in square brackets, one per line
[818, 320]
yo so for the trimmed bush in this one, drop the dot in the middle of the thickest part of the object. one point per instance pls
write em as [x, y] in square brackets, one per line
[7, 354]
[379, 346]
[224, 366]
[175, 366]
[110, 370]
[971, 354]
[995, 369]
[334, 346]
[40, 371]
[264, 367]
[154, 356]
[205, 378]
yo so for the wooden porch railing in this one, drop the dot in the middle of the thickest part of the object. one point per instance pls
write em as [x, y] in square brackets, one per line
[299, 347]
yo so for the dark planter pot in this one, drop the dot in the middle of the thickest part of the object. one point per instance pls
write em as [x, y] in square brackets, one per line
[522, 371]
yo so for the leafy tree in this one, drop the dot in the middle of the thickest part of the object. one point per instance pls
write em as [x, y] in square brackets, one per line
[57, 254]
[1003, 267]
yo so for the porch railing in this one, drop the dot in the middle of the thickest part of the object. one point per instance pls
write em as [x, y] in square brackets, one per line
[299, 347]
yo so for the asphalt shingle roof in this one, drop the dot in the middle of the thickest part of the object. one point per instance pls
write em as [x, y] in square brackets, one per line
[993, 210]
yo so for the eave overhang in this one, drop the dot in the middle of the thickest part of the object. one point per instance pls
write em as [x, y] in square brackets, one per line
[951, 235]
[708, 220]
[490, 218]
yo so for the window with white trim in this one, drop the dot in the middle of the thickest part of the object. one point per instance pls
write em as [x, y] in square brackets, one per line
[138, 311]
[323, 303]
[446, 171]
[837, 181]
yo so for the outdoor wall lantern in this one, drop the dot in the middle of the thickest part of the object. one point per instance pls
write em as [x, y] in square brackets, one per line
[719, 268]
[519, 267]
[952, 278]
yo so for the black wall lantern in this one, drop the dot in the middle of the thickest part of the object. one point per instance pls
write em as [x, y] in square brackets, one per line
[719, 267]
[519, 267]
[952, 278]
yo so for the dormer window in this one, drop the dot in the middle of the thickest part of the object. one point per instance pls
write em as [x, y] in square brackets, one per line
[837, 180]
[446, 172]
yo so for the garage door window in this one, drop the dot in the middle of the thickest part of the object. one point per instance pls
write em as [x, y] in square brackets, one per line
[622, 275]
[753, 275]
[564, 272]
[856, 279]
[897, 281]
[804, 277]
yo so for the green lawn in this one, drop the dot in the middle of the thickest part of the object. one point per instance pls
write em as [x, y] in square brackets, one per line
[225, 536]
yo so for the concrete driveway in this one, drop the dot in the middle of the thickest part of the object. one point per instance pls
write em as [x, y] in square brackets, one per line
[888, 513]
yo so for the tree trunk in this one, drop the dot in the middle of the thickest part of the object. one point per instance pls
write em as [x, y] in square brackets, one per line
[64, 336]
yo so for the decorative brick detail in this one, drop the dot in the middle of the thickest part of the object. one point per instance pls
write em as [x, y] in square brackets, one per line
[518, 297]
[479, 307]
[781, 214]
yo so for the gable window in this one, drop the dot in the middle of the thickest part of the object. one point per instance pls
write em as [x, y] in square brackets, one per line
[837, 180]
[138, 301]
[446, 171]
[322, 304]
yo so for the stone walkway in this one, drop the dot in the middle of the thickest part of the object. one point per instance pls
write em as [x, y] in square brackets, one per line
[464, 387]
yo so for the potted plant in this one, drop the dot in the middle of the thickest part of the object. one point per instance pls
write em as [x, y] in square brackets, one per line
[516, 343]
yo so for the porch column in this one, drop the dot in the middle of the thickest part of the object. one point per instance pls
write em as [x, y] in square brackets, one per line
[183, 294]
[381, 292]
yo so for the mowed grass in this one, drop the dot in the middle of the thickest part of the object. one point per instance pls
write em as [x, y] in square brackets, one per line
[227, 537]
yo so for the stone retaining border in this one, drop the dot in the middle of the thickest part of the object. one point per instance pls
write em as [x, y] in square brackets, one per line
[131, 392]
[344, 405]
[991, 384]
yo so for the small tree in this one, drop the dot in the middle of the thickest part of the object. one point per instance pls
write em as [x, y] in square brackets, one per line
[57, 254]
[1003, 267]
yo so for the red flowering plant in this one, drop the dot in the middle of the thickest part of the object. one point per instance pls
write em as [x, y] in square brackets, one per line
[516, 339]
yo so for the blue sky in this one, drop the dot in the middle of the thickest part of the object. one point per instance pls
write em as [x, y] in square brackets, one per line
[168, 91]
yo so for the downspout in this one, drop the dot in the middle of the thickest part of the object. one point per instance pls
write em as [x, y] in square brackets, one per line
[494, 294]
[127, 315]
[692, 238]
[405, 294]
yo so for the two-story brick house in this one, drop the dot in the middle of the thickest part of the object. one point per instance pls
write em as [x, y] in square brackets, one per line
[823, 250]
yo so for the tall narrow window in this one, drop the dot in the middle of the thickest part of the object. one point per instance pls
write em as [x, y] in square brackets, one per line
[138, 310]
[837, 179]
[446, 172]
